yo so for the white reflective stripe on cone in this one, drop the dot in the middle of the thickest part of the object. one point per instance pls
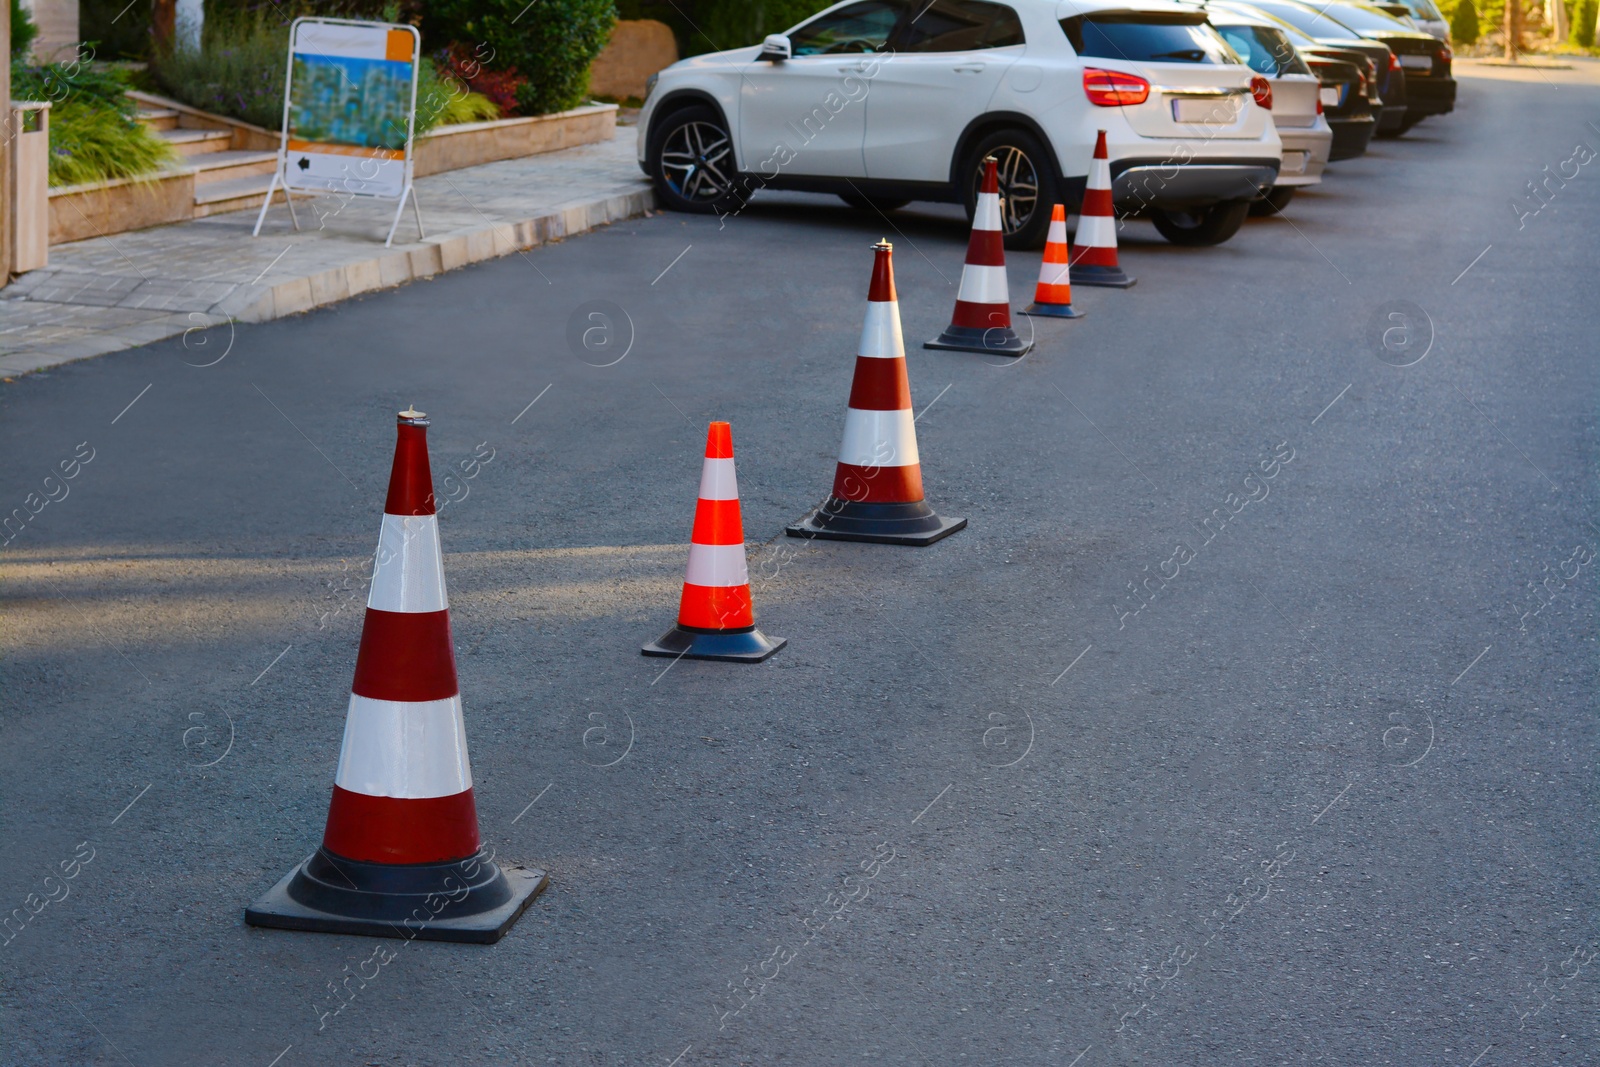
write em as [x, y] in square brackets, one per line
[406, 749]
[1097, 231]
[880, 334]
[1099, 174]
[1054, 274]
[717, 480]
[1058, 232]
[986, 216]
[983, 285]
[879, 438]
[717, 565]
[408, 572]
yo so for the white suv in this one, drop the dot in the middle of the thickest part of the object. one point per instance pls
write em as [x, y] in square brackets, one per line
[887, 101]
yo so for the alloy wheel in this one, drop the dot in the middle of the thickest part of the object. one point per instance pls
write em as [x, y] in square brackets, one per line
[1019, 186]
[696, 161]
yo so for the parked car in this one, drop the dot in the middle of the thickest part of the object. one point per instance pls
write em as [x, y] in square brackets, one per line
[1296, 102]
[1424, 14]
[887, 101]
[1349, 84]
[1309, 20]
[1430, 88]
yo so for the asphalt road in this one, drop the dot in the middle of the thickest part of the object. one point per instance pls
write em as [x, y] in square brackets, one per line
[1328, 798]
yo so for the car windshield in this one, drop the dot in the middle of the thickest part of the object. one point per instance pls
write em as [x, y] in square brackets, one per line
[1425, 9]
[1147, 36]
[1264, 49]
[1306, 20]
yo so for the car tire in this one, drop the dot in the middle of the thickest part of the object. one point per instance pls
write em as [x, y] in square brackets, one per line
[1027, 170]
[691, 162]
[863, 202]
[1275, 201]
[1199, 227]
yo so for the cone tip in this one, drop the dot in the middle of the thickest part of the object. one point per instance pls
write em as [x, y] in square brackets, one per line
[719, 441]
[1058, 213]
[412, 417]
[881, 288]
[1100, 145]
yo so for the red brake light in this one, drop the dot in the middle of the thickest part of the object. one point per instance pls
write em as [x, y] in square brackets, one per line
[1319, 102]
[1261, 89]
[1394, 61]
[1111, 88]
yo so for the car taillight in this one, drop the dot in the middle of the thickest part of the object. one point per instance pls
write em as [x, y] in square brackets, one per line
[1112, 88]
[1261, 89]
[1319, 103]
[1394, 61]
[1445, 54]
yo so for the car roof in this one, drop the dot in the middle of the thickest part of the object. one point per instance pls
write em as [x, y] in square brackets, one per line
[1234, 16]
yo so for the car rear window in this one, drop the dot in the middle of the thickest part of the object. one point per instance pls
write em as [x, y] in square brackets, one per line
[1264, 50]
[1146, 36]
[1363, 18]
[960, 26]
[1308, 21]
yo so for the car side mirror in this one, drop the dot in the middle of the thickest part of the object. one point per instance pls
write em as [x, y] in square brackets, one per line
[775, 48]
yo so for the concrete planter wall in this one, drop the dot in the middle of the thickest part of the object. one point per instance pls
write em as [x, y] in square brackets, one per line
[100, 209]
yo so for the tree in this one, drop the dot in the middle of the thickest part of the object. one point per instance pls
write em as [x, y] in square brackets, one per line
[1464, 23]
[1583, 28]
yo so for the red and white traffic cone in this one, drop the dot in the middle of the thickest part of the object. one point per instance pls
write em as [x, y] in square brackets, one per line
[1052, 297]
[877, 486]
[401, 855]
[1095, 262]
[716, 619]
[982, 319]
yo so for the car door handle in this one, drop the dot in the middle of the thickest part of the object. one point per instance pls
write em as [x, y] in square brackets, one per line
[859, 68]
[969, 68]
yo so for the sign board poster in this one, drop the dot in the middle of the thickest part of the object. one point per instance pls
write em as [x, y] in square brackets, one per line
[351, 102]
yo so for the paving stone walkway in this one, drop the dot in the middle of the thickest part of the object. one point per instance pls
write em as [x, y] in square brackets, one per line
[111, 293]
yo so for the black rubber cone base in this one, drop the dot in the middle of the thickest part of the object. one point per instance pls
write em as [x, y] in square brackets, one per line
[883, 524]
[1001, 340]
[473, 900]
[1052, 311]
[738, 646]
[1110, 277]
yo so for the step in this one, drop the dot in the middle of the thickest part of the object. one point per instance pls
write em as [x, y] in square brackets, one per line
[235, 194]
[215, 168]
[157, 118]
[196, 142]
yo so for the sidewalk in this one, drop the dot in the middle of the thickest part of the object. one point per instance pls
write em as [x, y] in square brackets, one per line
[111, 293]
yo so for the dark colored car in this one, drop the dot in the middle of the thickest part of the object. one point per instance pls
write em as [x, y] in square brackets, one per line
[1349, 86]
[1430, 88]
[1391, 110]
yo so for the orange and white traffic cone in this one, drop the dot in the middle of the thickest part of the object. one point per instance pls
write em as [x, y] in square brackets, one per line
[1095, 262]
[877, 486]
[716, 619]
[401, 855]
[1052, 297]
[982, 319]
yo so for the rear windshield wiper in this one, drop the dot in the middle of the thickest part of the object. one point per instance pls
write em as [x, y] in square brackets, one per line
[1190, 54]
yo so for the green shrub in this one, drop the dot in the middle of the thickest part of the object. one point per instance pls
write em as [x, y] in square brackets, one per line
[735, 23]
[550, 43]
[77, 80]
[238, 72]
[23, 32]
[1464, 23]
[90, 143]
[1583, 29]
[444, 101]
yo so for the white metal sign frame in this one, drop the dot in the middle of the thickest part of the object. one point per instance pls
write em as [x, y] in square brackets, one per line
[348, 168]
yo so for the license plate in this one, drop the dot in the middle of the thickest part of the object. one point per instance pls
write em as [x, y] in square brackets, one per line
[1294, 162]
[1330, 96]
[1192, 111]
[1417, 62]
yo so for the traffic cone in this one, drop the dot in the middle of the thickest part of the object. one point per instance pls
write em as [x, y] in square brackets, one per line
[982, 319]
[877, 487]
[1052, 297]
[401, 856]
[715, 617]
[1096, 259]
